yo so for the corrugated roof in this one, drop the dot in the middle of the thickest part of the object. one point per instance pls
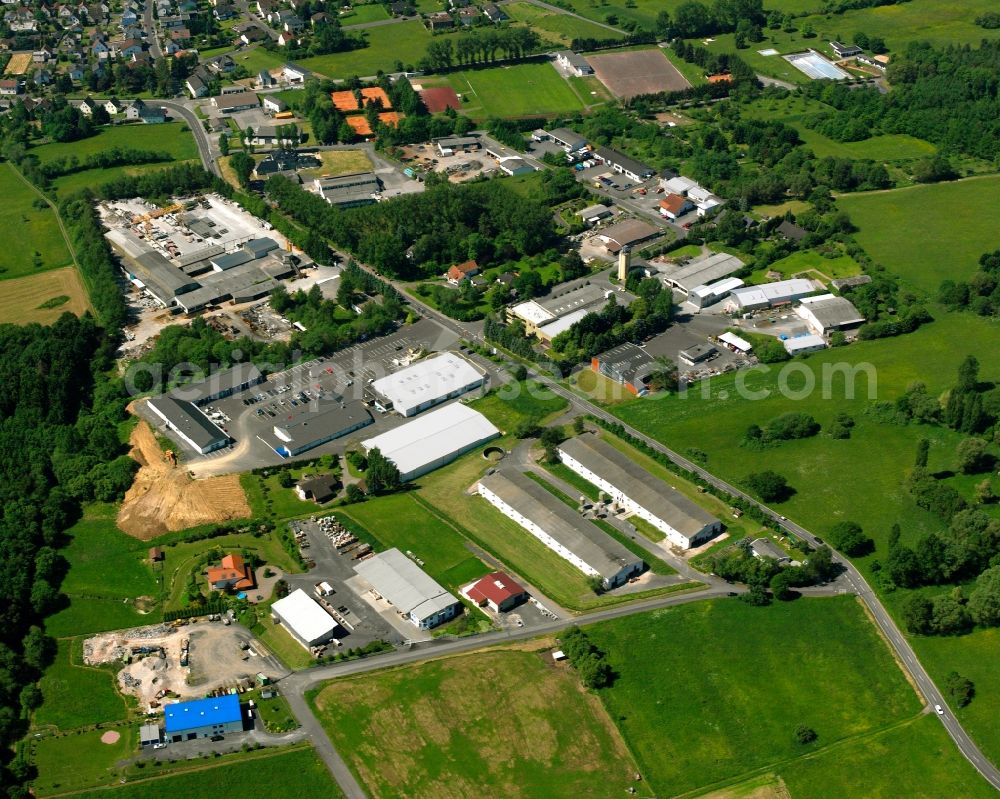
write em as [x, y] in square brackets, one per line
[638, 485]
[447, 431]
[584, 539]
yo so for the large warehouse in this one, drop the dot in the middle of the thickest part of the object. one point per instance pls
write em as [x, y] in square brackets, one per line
[303, 617]
[404, 585]
[427, 383]
[202, 718]
[562, 530]
[312, 424]
[187, 422]
[686, 524]
[433, 440]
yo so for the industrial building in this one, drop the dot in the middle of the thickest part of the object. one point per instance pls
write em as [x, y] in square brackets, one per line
[702, 272]
[304, 618]
[560, 528]
[685, 524]
[432, 440]
[706, 295]
[202, 718]
[768, 295]
[827, 313]
[497, 591]
[189, 424]
[315, 423]
[627, 364]
[349, 191]
[427, 383]
[411, 591]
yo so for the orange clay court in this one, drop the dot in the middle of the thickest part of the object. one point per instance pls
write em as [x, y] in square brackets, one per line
[348, 101]
[360, 123]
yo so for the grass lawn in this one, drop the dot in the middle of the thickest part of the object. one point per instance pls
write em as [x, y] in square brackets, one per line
[269, 771]
[554, 25]
[404, 42]
[42, 297]
[72, 762]
[738, 704]
[515, 91]
[399, 520]
[360, 14]
[37, 232]
[68, 679]
[442, 720]
[894, 229]
[514, 403]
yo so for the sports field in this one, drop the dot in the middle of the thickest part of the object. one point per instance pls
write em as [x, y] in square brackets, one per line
[42, 298]
[633, 72]
[443, 722]
[896, 230]
[516, 91]
[705, 691]
[403, 42]
[37, 246]
[557, 26]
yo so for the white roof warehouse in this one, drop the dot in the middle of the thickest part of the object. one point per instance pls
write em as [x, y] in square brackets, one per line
[433, 440]
[408, 588]
[428, 383]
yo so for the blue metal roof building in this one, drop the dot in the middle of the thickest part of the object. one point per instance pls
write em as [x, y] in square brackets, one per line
[203, 718]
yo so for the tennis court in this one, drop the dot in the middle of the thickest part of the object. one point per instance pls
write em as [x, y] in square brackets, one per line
[815, 66]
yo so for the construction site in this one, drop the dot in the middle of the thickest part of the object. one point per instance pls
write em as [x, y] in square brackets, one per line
[183, 660]
[198, 252]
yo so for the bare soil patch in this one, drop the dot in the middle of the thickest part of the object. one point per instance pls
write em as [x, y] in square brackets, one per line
[164, 498]
[637, 72]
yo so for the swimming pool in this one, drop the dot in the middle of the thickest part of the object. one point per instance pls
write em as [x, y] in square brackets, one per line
[815, 66]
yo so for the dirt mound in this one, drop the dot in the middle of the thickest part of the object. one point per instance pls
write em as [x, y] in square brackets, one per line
[165, 498]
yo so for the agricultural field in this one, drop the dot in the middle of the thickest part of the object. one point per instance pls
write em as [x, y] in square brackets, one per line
[558, 740]
[66, 680]
[724, 718]
[893, 229]
[516, 91]
[38, 246]
[173, 138]
[403, 42]
[401, 521]
[556, 26]
[43, 298]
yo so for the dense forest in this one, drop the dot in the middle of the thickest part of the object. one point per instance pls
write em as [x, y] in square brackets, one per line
[421, 235]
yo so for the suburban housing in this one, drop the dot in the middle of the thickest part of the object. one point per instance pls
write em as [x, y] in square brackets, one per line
[686, 525]
[561, 529]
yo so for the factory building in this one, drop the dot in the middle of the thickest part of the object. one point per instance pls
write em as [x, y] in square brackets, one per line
[427, 383]
[202, 718]
[418, 598]
[304, 618]
[685, 524]
[560, 528]
[434, 439]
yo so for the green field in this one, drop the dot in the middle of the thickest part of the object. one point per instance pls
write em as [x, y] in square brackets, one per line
[516, 91]
[557, 26]
[404, 42]
[443, 721]
[270, 773]
[402, 522]
[707, 692]
[68, 679]
[894, 229]
[38, 231]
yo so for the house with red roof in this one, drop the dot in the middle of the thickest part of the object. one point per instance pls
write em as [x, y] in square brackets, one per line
[232, 574]
[497, 591]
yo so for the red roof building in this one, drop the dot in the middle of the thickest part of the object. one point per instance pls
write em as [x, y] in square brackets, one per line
[460, 272]
[232, 573]
[498, 591]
